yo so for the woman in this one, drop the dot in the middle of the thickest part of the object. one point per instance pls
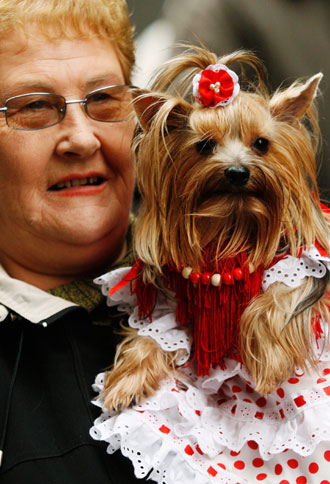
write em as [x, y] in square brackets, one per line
[66, 182]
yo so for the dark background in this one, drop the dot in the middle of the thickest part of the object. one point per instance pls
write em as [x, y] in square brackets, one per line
[144, 12]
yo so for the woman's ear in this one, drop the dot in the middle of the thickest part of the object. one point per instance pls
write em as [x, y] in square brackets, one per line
[293, 102]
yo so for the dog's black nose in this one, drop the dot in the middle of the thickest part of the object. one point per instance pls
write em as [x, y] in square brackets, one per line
[237, 176]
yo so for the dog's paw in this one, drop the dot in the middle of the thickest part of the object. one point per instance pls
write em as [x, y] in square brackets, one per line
[139, 367]
[124, 390]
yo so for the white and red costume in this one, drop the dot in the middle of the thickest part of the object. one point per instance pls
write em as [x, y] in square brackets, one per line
[216, 428]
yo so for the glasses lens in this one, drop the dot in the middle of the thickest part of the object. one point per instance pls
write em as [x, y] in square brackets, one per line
[110, 104]
[35, 111]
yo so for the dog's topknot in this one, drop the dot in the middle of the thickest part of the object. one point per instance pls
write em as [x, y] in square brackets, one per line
[176, 75]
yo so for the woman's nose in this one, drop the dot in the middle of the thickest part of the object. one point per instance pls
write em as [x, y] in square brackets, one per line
[77, 134]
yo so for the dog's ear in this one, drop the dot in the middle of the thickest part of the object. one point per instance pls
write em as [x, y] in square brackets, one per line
[293, 102]
[147, 104]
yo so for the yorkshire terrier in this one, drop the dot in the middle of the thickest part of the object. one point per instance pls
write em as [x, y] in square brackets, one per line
[228, 187]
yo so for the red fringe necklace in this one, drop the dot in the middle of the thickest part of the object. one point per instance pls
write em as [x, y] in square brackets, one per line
[210, 301]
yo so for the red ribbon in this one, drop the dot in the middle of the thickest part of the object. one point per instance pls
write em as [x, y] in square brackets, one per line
[208, 96]
[130, 276]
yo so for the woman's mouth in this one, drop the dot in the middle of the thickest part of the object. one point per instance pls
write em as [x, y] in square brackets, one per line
[74, 185]
[78, 182]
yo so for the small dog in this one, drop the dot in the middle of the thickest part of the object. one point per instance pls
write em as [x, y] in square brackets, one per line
[227, 178]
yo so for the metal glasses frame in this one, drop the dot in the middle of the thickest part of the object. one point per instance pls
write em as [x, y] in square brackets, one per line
[63, 109]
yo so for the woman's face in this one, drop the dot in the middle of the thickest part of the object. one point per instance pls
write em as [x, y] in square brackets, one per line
[71, 229]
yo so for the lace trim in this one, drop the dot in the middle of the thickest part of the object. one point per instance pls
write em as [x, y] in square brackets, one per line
[292, 270]
[163, 329]
[146, 443]
[186, 430]
[122, 296]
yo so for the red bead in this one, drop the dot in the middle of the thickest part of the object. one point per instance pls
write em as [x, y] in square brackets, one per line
[238, 274]
[206, 278]
[227, 278]
[194, 277]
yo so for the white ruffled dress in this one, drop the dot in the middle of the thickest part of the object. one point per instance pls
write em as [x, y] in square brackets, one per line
[217, 428]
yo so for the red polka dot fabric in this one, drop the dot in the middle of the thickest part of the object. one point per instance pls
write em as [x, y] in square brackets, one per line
[231, 436]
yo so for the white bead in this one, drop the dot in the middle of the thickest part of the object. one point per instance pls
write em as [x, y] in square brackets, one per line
[186, 272]
[215, 280]
[215, 87]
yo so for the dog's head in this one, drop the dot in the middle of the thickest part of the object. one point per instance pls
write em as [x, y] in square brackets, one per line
[240, 175]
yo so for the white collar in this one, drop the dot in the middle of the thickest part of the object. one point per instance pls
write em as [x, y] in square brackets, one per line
[27, 301]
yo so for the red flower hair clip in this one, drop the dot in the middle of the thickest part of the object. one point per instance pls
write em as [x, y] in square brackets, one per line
[215, 86]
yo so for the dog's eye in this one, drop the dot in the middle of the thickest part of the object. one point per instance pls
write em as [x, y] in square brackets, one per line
[205, 146]
[261, 145]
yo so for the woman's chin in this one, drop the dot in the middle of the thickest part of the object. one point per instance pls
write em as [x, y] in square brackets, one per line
[95, 235]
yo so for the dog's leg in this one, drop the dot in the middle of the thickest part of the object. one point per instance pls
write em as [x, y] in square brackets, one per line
[274, 339]
[140, 365]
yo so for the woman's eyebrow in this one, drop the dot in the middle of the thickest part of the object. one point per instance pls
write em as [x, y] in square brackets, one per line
[26, 87]
[42, 86]
[104, 80]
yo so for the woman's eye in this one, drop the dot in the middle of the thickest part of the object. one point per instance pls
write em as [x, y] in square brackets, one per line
[260, 145]
[36, 105]
[205, 146]
[99, 96]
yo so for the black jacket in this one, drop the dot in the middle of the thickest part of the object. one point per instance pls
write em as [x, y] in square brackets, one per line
[50, 353]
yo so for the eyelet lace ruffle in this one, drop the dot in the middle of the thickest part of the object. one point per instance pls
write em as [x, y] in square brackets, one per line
[292, 270]
[163, 329]
[188, 427]
[146, 442]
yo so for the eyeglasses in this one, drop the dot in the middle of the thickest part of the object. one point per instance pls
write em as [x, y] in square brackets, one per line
[39, 110]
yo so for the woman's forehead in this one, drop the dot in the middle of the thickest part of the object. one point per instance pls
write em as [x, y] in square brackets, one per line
[41, 64]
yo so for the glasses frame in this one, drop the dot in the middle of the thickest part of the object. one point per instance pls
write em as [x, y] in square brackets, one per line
[62, 111]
